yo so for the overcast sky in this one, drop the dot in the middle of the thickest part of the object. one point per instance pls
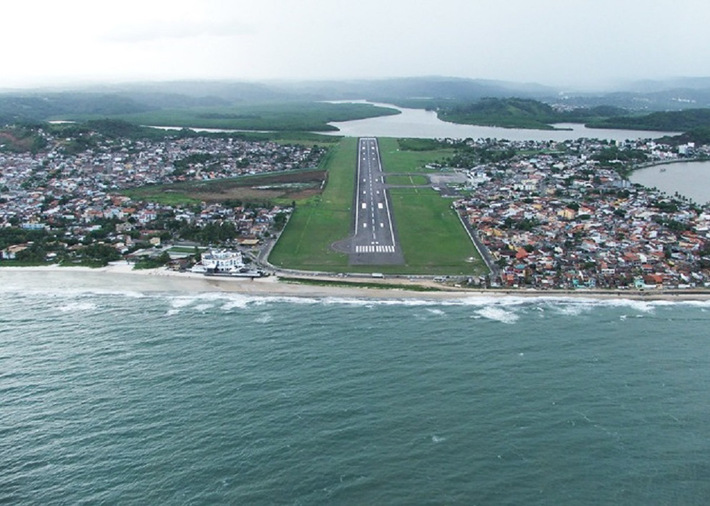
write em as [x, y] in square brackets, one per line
[560, 42]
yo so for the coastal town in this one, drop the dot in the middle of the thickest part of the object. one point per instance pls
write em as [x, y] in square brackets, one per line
[566, 218]
[81, 193]
[543, 215]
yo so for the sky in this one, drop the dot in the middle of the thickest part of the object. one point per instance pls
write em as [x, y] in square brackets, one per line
[578, 43]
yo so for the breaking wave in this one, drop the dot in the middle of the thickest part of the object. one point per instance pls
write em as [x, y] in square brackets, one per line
[498, 314]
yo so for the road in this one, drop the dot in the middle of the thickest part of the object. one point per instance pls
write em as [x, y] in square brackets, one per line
[374, 239]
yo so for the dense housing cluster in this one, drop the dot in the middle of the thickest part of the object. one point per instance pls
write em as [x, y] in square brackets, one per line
[543, 214]
[565, 218]
[75, 196]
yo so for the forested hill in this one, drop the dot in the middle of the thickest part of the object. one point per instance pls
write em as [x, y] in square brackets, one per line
[35, 107]
[526, 113]
[518, 113]
[300, 105]
[136, 98]
[699, 136]
[670, 121]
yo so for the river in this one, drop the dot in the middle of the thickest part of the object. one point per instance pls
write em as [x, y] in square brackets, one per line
[691, 179]
[419, 123]
[422, 124]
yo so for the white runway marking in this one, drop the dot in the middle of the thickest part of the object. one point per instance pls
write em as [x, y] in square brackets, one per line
[369, 214]
[374, 249]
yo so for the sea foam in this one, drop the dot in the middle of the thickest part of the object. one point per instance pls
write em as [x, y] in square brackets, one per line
[73, 307]
[498, 314]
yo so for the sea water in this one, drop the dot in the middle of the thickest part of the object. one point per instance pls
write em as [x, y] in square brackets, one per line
[111, 397]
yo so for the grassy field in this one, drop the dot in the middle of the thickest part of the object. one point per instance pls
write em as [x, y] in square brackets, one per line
[358, 284]
[300, 138]
[395, 159]
[319, 221]
[407, 180]
[432, 237]
[277, 187]
[280, 117]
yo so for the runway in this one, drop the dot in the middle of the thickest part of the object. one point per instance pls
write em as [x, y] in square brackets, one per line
[374, 239]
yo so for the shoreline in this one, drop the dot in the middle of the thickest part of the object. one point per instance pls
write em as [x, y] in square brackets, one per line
[121, 276]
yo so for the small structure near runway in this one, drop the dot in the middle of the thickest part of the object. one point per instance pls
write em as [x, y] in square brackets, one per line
[226, 263]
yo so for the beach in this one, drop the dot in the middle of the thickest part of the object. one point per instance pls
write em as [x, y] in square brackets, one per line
[120, 276]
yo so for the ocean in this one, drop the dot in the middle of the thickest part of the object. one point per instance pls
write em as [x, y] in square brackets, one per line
[128, 396]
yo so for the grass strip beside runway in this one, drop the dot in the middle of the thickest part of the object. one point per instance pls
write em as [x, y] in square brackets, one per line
[319, 221]
[432, 238]
[407, 180]
[395, 159]
[359, 284]
[431, 235]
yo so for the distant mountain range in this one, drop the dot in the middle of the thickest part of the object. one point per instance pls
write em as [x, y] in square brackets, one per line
[111, 100]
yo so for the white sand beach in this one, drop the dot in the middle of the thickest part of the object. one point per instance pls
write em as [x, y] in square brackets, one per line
[120, 276]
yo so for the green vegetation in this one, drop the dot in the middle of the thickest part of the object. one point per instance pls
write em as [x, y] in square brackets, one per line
[672, 121]
[319, 221]
[699, 136]
[276, 187]
[211, 233]
[433, 240]
[470, 156]
[163, 194]
[82, 135]
[509, 113]
[192, 250]
[623, 161]
[280, 117]
[420, 144]
[397, 159]
[359, 284]
[37, 107]
[407, 180]
[432, 237]
[78, 137]
[10, 236]
[519, 113]
[309, 139]
[21, 138]
[152, 263]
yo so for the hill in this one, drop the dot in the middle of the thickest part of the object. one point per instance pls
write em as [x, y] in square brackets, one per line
[670, 121]
[33, 106]
[135, 98]
[518, 113]
[255, 106]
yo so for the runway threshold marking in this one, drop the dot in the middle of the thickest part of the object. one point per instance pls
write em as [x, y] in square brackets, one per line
[374, 249]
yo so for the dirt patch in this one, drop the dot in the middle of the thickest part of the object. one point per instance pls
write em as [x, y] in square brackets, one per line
[293, 185]
[246, 194]
[15, 143]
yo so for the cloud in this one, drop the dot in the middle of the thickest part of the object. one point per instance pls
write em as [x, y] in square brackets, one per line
[547, 41]
[178, 29]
